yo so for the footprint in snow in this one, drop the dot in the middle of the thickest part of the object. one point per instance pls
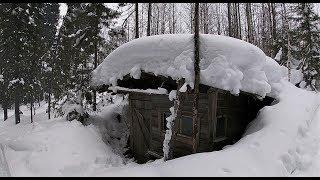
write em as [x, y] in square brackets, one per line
[255, 144]
[226, 170]
[282, 131]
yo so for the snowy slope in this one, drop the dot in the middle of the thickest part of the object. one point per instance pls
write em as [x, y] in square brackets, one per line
[54, 147]
[280, 142]
[226, 63]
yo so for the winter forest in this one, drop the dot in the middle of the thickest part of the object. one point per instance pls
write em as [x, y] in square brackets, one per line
[64, 68]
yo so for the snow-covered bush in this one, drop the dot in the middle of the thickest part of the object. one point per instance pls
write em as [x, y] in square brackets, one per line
[69, 107]
[112, 121]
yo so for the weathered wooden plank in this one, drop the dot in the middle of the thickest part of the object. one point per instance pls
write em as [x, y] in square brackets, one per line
[148, 105]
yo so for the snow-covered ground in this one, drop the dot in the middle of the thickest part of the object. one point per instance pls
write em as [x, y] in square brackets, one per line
[282, 141]
[54, 147]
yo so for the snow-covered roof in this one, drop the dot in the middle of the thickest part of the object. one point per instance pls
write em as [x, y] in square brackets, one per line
[226, 63]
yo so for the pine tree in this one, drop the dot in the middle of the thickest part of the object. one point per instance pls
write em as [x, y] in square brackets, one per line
[26, 35]
[97, 16]
[80, 42]
[69, 50]
[15, 40]
[307, 38]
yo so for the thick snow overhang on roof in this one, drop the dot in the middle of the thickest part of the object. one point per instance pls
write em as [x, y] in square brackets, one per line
[226, 63]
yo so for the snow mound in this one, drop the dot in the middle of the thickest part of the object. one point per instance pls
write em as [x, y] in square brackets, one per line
[227, 63]
[57, 147]
[281, 141]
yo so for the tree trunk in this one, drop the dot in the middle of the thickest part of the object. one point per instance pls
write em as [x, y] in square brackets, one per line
[49, 105]
[205, 18]
[5, 114]
[239, 21]
[94, 107]
[50, 87]
[249, 23]
[5, 111]
[289, 57]
[173, 20]
[137, 21]
[288, 42]
[196, 80]
[31, 105]
[218, 19]
[158, 19]
[128, 26]
[149, 18]
[191, 17]
[234, 19]
[274, 28]
[141, 27]
[16, 106]
[270, 31]
[229, 20]
[163, 28]
[263, 32]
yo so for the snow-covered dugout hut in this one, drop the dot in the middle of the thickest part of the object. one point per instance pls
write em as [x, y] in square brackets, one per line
[236, 80]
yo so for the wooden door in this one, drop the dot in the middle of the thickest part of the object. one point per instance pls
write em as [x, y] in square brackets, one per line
[140, 132]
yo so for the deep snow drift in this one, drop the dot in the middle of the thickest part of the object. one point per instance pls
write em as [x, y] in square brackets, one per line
[57, 147]
[226, 63]
[282, 141]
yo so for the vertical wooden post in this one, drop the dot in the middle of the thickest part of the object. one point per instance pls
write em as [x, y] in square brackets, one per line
[174, 126]
[196, 80]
